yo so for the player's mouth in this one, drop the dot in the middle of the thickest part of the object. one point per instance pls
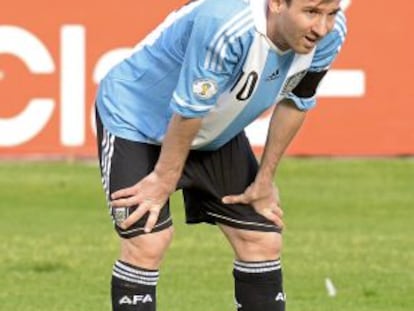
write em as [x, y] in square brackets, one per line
[311, 41]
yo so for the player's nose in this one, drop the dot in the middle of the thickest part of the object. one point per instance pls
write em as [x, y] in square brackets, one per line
[321, 26]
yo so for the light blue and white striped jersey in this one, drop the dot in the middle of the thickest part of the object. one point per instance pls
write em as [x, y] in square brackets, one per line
[211, 59]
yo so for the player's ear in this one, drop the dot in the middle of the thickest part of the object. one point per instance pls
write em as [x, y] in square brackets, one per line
[275, 5]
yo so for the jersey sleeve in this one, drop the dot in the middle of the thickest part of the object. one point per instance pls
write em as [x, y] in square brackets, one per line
[304, 94]
[210, 57]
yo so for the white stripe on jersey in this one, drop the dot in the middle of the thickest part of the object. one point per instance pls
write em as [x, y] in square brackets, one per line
[228, 29]
[169, 20]
[184, 104]
[225, 39]
[340, 25]
[237, 35]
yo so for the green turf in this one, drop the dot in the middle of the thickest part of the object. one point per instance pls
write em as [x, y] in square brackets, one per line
[348, 220]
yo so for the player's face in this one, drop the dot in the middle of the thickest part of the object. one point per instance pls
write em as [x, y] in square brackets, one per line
[301, 24]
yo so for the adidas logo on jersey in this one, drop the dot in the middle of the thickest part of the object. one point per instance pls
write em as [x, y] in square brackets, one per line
[273, 76]
[135, 299]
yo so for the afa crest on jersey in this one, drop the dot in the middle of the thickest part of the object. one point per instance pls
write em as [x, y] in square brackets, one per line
[292, 82]
[205, 88]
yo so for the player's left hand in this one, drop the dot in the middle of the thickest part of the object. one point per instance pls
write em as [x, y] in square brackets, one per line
[264, 199]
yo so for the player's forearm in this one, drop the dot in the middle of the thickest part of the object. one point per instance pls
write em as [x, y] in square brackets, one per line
[175, 148]
[285, 123]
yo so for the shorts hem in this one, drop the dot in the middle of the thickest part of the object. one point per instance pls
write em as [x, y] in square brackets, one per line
[134, 232]
[249, 227]
[235, 223]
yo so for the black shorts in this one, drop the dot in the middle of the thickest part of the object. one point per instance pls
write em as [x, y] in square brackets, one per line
[207, 177]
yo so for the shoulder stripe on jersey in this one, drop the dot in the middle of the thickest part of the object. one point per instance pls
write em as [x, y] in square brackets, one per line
[340, 17]
[231, 22]
[230, 40]
[222, 37]
[169, 20]
[220, 32]
[340, 26]
[182, 103]
[227, 38]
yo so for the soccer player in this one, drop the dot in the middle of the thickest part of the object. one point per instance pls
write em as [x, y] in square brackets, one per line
[172, 116]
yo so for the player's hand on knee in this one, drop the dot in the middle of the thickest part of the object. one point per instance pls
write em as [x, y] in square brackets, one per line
[150, 206]
[126, 197]
[264, 199]
[149, 194]
[274, 213]
[147, 206]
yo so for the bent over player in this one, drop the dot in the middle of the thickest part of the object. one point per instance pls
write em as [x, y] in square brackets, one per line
[172, 116]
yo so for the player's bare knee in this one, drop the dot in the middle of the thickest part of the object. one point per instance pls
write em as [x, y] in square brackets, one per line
[147, 250]
[256, 246]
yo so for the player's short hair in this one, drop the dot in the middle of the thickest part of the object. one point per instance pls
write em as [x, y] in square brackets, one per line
[290, 1]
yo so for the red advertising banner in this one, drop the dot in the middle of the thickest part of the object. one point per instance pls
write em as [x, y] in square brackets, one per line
[53, 53]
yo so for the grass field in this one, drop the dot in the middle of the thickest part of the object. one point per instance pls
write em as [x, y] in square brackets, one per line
[349, 220]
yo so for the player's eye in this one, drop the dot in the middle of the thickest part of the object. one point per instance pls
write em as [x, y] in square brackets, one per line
[312, 12]
[334, 13]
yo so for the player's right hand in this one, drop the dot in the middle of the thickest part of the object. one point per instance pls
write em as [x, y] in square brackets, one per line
[150, 194]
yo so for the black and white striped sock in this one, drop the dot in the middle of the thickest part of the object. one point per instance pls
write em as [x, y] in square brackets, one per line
[258, 286]
[133, 288]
